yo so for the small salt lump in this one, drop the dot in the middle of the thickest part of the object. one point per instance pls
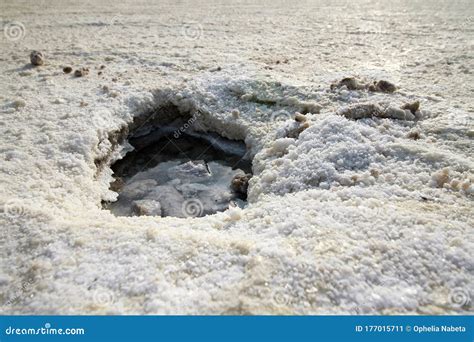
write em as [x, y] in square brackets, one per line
[36, 58]
[240, 184]
[146, 207]
[192, 170]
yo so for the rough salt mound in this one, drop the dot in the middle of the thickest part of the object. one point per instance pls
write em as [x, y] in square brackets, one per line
[369, 110]
[349, 215]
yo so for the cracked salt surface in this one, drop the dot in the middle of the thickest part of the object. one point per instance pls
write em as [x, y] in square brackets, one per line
[368, 213]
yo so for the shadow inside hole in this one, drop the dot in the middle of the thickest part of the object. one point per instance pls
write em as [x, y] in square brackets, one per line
[181, 174]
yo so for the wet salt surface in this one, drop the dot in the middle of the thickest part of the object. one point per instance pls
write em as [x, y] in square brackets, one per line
[181, 177]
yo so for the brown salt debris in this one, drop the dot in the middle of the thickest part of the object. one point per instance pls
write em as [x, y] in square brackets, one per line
[440, 177]
[361, 110]
[117, 184]
[371, 109]
[300, 117]
[235, 113]
[240, 184]
[375, 173]
[67, 70]
[81, 72]
[384, 86]
[397, 113]
[415, 135]
[350, 82]
[295, 132]
[36, 58]
[413, 107]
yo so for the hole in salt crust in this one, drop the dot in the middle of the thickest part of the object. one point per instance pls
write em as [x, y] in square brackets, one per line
[173, 169]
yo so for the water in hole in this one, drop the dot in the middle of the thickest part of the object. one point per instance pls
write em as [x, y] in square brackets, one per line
[188, 175]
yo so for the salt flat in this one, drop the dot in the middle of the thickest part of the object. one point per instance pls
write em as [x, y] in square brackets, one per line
[349, 216]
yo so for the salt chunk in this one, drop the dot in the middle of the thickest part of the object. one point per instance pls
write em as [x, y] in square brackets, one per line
[280, 145]
[395, 113]
[192, 170]
[235, 113]
[19, 103]
[147, 207]
[234, 214]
